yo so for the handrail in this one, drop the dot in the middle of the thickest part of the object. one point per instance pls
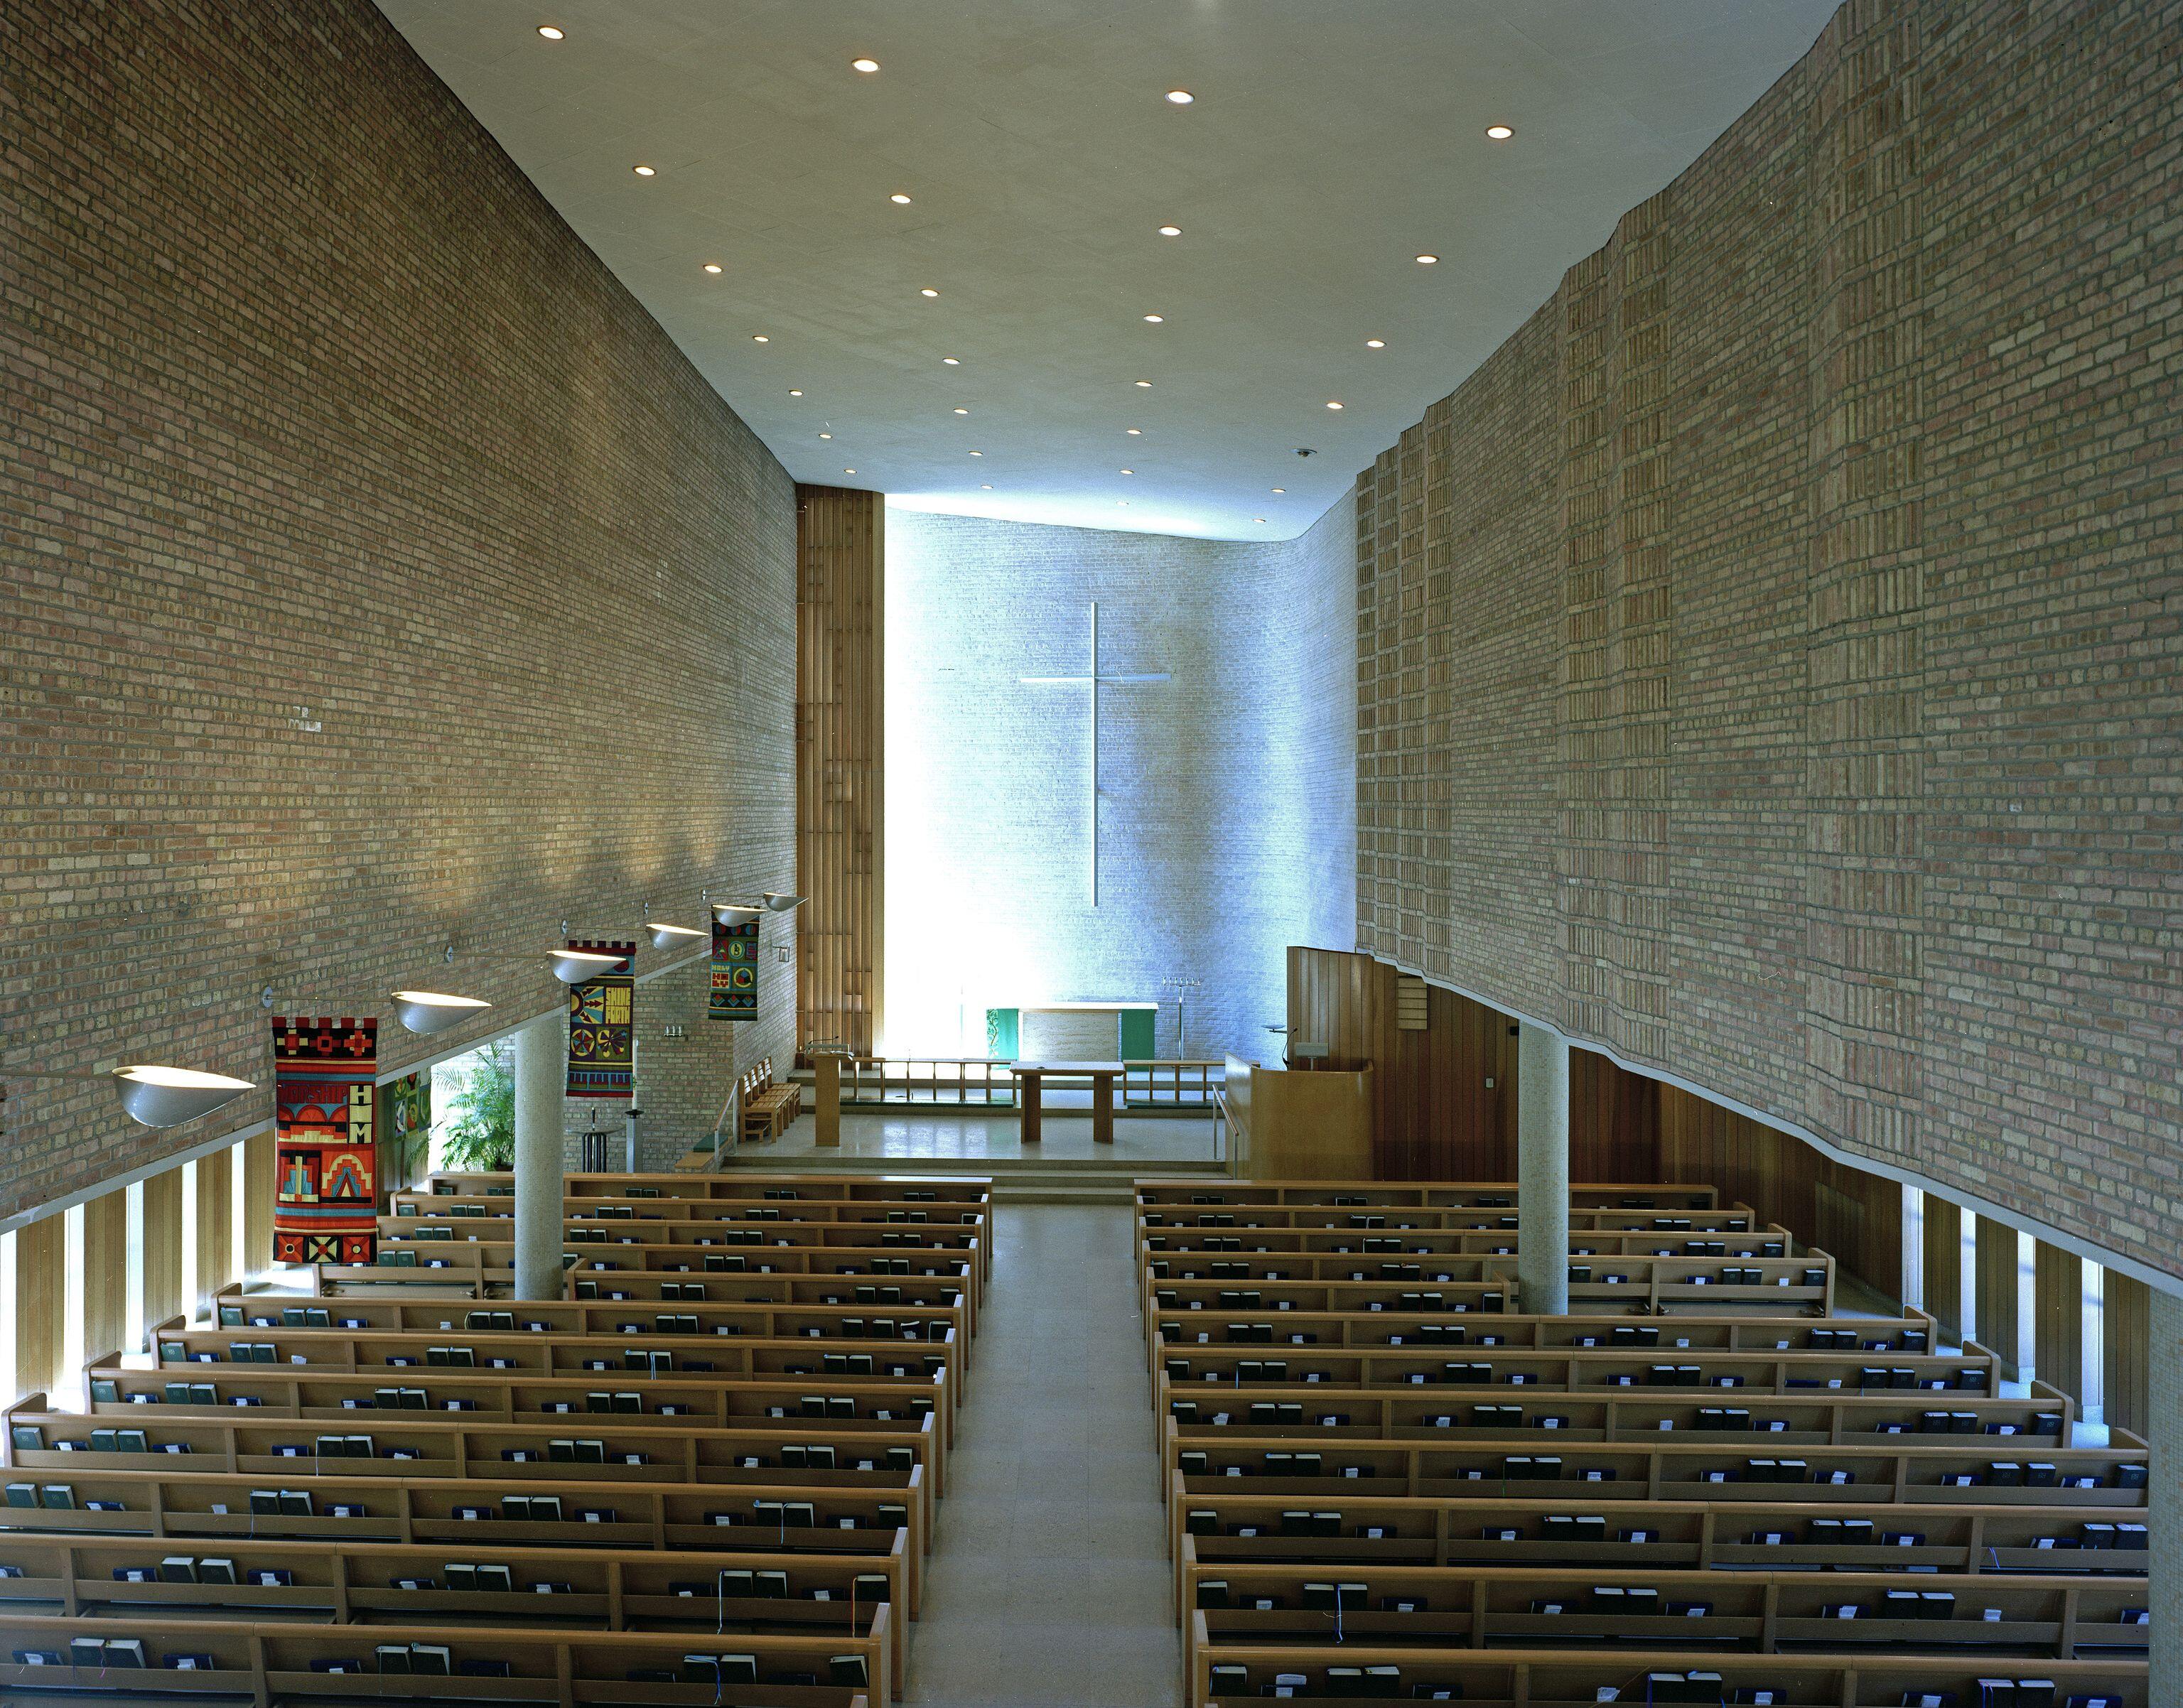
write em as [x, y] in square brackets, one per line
[989, 1081]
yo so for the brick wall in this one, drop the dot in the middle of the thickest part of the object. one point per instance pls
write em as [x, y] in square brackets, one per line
[1768, 660]
[377, 574]
[1227, 810]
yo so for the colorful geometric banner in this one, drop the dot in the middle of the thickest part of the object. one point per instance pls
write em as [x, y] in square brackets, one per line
[735, 968]
[601, 1027]
[325, 1204]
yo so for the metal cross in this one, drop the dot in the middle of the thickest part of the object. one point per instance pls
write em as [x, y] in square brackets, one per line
[1095, 682]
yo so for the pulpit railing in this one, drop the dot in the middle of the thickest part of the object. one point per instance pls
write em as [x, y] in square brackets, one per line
[988, 1082]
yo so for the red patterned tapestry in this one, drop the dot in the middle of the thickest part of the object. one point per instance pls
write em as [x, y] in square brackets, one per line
[734, 994]
[325, 1204]
[601, 1027]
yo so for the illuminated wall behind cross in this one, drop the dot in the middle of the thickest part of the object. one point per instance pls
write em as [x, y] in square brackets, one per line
[1227, 807]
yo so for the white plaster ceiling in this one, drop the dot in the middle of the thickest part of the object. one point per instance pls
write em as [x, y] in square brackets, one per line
[1330, 142]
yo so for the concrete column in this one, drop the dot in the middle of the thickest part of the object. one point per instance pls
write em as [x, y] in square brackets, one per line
[542, 1066]
[2165, 1497]
[1542, 1171]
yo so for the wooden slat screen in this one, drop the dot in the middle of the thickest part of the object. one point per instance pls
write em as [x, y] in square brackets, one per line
[840, 755]
[1944, 1264]
[215, 1218]
[163, 1245]
[41, 1269]
[105, 1267]
[1999, 1318]
[2057, 1324]
[2126, 1344]
[257, 1203]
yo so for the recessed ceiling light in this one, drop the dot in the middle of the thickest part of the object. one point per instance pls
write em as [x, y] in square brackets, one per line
[551, 32]
[1280, 489]
[1427, 260]
[928, 292]
[962, 411]
[864, 65]
[1181, 97]
[1170, 231]
[1155, 318]
[643, 171]
[1499, 133]
[952, 361]
[899, 199]
[1334, 406]
[1376, 343]
[711, 266]
[793, 392]
[760, 338]
[1147, 384]
[1134, 432]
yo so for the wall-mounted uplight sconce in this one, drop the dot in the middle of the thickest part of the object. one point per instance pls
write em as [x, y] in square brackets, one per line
[428, 1011]
[779, 903]
[158, 1095]
[575, 966]
[673, 936]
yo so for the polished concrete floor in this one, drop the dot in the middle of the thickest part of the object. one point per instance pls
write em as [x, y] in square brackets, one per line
[1049, 1573]
[942, 1133]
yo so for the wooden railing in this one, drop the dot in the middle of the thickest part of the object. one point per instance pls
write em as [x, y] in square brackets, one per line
[975, 1082]
[978, 1082]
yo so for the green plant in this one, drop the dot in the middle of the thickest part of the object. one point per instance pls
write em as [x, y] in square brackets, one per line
[482, 1136]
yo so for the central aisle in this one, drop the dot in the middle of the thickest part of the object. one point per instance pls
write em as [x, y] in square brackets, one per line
[1049, 1574]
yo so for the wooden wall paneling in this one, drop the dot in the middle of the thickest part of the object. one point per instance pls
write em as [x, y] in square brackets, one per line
[105, 1265]
[1445, 1098]
[41, 1299]
[163, 1245]
[2057, 1331]
[1615, 1121]
[2125, 1351]
[215, 1224]
[839, 758]
[1943, 1257]
[1857, 1218]
[257, 1203]
[1998, 1319]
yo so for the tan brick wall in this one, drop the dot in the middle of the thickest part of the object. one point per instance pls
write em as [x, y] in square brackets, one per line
[1768, 660]
[375, 573]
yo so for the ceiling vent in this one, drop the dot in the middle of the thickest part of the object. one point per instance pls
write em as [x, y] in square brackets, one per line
[1412, 1003]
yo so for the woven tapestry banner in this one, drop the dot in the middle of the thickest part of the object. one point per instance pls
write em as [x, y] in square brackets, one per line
[735, 969]
[326, 1206]
[601, 1027]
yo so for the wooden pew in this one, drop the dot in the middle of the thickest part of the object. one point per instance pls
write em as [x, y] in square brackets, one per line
[1494, 1194]
[645, 1358]
[625, 1248]
[410, 1445]
[1548, 1678]
[1766, 1612]
[1943, 1470]
[879, 1406]
[742, 1185]
[844, 1316]
[1584, 1224]
[784, 1517]
[117, 1580]
[270, 1662]
[420, 1206]
[1210, 1532]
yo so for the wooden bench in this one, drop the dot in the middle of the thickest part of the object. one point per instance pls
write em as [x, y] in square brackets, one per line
[1218, 1189]
[1310, 1677]
[268, 1662]
[744, 1184]
[731, 1594]
[787, 1517]
[768, 1106]
[842, 1453]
